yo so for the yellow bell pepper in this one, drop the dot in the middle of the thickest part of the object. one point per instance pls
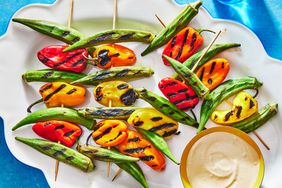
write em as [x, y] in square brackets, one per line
[244, 105]
[154, 121]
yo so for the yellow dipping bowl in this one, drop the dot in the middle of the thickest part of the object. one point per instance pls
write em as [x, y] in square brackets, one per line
[237, 132]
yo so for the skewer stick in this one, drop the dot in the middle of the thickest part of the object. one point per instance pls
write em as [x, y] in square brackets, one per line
[117, 174]
[160, 21]
[70, 13]
[255, 133]
[115, 14]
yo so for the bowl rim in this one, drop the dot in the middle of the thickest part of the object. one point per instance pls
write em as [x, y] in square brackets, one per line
[228, 129]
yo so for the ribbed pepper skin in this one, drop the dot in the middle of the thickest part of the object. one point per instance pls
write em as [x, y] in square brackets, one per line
[113, 55]
[178, 93]
[118, 92]
[109, 132]
[53, 57]
[137, 146]
[58, 131]
[60, 152]
[152, 120]
[244, 106]
[56, 94]
[183, 45]
[213, 72]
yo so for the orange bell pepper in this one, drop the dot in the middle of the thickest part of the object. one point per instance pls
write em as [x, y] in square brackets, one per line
[137, 146]
[213, 72]
[113, 55]
[109, 132]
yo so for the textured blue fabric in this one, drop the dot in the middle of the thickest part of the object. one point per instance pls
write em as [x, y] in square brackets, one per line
[14, 173]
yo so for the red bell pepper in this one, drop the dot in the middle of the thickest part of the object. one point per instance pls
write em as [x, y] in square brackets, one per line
[183, 45]
[53, 57]
[58, 131]
[179, 93]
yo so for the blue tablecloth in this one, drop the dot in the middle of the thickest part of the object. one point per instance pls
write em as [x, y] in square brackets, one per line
[264, 17]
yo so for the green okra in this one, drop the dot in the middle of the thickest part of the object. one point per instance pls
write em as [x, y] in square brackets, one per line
[189, 77]
[106, 112]
[166, 107]
[133, 169]
[115, 73]
[255, 121]
[54, 30]
[57, 113]
[60, 153]
[159, 143]
[181, 21]
[112, 36]
[213, 51]
[223, 92]
[103, 154]
[50, 75]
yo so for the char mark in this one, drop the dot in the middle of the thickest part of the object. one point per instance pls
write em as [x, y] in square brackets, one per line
[162, 126]
[212, 67]
[182, 44]
[126, 36]
[146, 158]
[108, 130]
[102, 37]
[59, 127]
[71, 91]
[56, 91]
[156, 119]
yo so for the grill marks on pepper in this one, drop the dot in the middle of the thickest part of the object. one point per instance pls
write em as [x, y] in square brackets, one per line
[162, 126]
[122, 86]
[239, 111]
[156, 119]
[194, 39]
[71, 91]
[49, 86]
[66, 60]
[182, 44]
[129, 97]
[252, 104]
[105, 58]
[136, 150]
[54, 92]
[146, 158]
[106, 131]
[212, 67]
[169, 133]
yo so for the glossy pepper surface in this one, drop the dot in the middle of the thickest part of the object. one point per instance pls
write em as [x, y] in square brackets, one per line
[137, 146]
[60, 152]
[118, 92]
[180, 94]
[181, 21]
[152, 120]
[56, 113]
[183, 45]
[213, 72]
[113, 55]
[58, 131]
[244, 106]
[223, 92]
[56, 94]
[109, 132]
[53, 57]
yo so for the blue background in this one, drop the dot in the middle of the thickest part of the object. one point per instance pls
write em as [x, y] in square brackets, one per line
[263, 17]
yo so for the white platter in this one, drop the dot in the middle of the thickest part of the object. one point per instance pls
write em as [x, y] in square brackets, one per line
[18, 54]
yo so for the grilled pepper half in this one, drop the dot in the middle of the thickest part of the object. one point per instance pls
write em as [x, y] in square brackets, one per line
[154, 121]
[183, 45]
[213, 72]
[137, 146]
[118, 92]
[180, 94]
[58, 131]
[109, 132]
[53, 57]
[113, 55]
[244, 106]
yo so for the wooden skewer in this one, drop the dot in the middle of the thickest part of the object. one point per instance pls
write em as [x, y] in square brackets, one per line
[255, 133]
[195, 66]
[57, 167]
[117, 174]
[115, 14]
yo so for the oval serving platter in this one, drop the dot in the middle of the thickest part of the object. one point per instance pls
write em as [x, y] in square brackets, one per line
[18, 54]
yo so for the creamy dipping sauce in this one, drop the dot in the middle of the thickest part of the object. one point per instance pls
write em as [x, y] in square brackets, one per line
[220, 160]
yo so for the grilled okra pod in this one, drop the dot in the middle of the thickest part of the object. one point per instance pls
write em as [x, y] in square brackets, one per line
[190, 78]
[166, 107]
[133, 169]
[213, 51]
[57, 113]
[113, 36]
[103, 154]
[222, 92]
[181, 21]
[54, 30]
[115, 73]
[60, 152]
[106, 112]
[159, 143]
[252, 123]
[50, 75]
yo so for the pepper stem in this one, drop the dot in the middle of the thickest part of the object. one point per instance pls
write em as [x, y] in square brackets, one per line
[88, 138]
[207, 30]
[30, 106]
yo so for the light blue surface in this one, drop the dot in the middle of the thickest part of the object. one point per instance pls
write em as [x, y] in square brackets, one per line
[264, 17]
